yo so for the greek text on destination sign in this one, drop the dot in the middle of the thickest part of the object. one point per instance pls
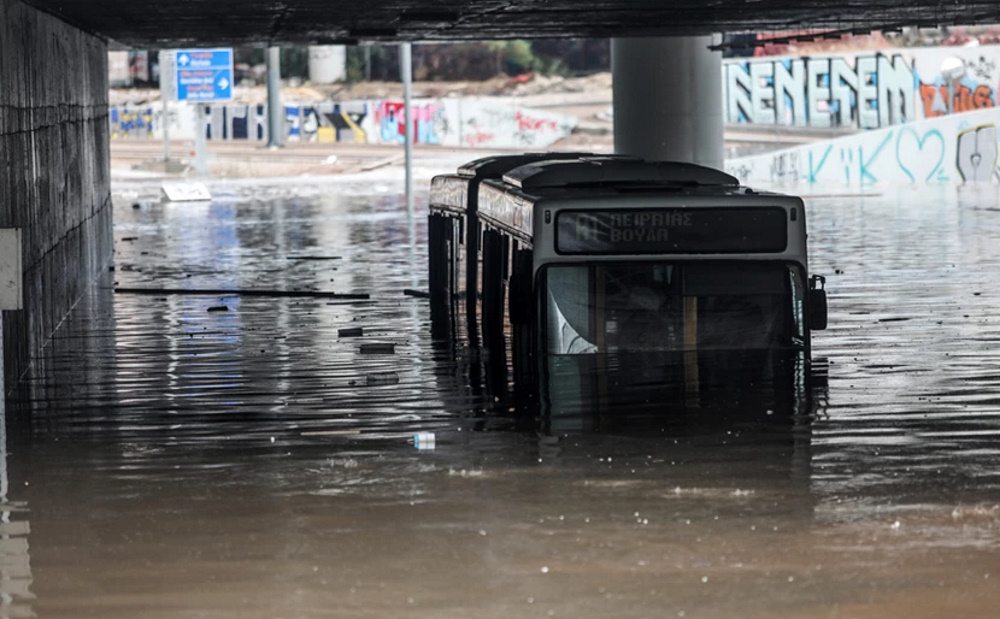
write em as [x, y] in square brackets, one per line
[673, 231]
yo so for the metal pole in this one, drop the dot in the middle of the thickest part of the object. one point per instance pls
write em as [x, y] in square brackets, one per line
[166, 129]
[406, 68]
[3, 385]
[275, 115]
[200, 141]
[4, 482]
[368, 63]
[167, 76]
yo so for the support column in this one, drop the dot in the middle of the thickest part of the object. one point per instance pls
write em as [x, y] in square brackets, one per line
[668, 99]
[406, 73]
[275, 113]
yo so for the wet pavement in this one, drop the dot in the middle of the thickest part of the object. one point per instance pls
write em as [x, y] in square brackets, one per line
[235, 456]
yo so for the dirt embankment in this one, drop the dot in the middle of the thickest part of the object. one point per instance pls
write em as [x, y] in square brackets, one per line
[596, 86]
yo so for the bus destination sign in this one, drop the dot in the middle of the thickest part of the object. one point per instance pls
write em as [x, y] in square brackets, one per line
[735, 230]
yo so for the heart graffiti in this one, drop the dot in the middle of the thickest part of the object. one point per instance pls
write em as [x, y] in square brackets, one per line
[916, 154]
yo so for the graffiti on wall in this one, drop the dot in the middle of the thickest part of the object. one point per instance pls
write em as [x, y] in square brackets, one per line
[430, 122]
[447, 122]
[490, 124]
[949, 149]
[131, 123]
[976, 157]
[864, 90]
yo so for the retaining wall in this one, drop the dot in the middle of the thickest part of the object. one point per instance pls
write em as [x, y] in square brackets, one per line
[960, 148]
[54, 169]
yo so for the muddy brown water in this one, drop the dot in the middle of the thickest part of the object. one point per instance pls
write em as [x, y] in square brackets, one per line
[164, 460]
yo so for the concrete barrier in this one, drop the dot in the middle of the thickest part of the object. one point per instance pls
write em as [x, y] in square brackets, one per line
[960, 148]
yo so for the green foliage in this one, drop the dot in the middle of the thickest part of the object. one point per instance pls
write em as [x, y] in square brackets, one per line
[452, 61]
[517, 57]
[295, 62]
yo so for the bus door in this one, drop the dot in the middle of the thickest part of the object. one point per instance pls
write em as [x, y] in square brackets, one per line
[493, 283]
[445, 275]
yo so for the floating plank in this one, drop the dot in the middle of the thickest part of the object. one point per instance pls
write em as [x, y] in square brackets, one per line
[186, 192]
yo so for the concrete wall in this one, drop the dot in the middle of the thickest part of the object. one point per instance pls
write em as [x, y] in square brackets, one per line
[960, 148]
[54, 169]
[446, 122]
[865, 90]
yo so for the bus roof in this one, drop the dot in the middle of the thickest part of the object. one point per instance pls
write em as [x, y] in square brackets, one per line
[497, 165]
[597, 171]
[449, 192]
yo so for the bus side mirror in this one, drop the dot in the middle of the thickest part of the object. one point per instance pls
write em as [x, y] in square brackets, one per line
[817, 303]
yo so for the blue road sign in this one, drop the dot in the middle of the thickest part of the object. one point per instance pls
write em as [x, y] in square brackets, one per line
[204, 74]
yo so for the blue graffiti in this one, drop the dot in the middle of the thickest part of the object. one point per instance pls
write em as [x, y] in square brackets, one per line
[814, 170]
[921, 141]
[847, 158]
[863, 165]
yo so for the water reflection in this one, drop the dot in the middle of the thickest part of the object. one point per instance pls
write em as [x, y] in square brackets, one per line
[15, 559]
[699, 391]
[255, 462]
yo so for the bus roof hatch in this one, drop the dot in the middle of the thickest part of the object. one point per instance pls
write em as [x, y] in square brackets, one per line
[613, 171]
[496, 166]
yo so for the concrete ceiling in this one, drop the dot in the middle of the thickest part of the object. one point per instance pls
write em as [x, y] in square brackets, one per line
[175, 23]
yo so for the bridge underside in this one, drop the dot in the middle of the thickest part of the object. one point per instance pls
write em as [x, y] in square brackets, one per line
[179, 23]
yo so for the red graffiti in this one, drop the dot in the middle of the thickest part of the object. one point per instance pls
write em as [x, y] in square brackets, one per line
[478, 138]
[965, 99]
[527, 123]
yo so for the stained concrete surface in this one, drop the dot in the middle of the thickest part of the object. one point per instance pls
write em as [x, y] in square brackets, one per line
[164, 460]
[159, 24]
[54, 169]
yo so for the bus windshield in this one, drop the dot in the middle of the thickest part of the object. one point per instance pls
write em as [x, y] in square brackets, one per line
[617, 307]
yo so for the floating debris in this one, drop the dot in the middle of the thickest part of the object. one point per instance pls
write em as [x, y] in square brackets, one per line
[331, 433]
[243, 292]
[382, 378]
[314, 257]
[350, 332]
[378, 349]
[219, 308]
[424, 440]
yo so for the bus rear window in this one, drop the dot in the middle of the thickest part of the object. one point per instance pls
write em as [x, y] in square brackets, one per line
[672, 231]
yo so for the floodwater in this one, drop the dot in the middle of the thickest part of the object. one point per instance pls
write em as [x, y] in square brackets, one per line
[184, 455]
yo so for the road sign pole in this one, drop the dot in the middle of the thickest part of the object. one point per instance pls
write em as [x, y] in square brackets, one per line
[168, 87]
[275, 117]
[166, 131]
[3, 385]
[406, 68]
[200, 145]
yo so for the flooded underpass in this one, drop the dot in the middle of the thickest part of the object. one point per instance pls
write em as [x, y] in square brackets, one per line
[248, 455]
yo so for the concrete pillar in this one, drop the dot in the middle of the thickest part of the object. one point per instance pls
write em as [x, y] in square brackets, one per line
[327, 64]
[275, 111]
[668, 99]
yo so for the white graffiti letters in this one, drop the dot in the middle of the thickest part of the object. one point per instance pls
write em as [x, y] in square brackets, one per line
[874, 91]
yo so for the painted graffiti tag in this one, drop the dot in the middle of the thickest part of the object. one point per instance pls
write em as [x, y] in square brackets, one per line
[872, 92]
[478, 123]
[976, 159]
[966, 97]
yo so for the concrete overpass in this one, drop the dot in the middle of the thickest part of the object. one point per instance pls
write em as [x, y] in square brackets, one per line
[54, 160]
[166, 23]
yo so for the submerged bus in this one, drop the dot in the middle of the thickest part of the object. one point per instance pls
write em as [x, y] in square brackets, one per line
[622, 269]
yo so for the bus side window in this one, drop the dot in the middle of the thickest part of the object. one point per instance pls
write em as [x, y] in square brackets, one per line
[521, 306]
